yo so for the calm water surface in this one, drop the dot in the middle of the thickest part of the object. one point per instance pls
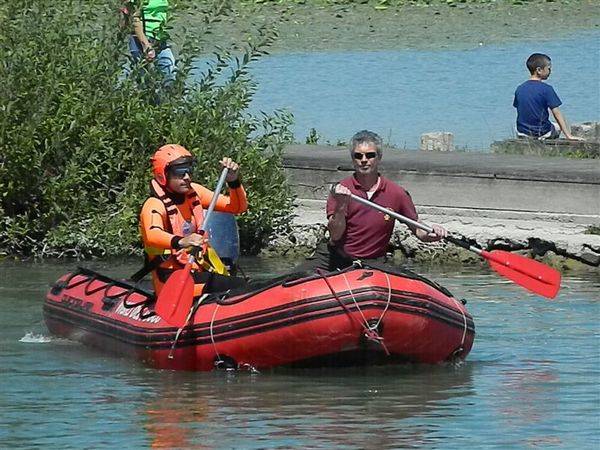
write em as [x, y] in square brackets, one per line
[402, 94]
[531, 381]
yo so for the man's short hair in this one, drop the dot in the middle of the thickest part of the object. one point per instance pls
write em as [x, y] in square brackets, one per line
[366, 136]
[537, 60]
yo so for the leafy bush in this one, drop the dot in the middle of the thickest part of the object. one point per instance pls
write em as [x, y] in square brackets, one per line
[77, 134]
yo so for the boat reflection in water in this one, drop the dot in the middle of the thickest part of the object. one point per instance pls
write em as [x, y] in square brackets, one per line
[352, 408]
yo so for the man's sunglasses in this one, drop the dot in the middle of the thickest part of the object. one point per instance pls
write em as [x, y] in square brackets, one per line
[181, 171]
[369, 155]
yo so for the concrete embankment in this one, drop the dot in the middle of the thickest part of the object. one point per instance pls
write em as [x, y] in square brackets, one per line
[541, 205]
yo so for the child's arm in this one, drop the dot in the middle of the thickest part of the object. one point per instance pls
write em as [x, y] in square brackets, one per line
[138, 31]
[563, 125]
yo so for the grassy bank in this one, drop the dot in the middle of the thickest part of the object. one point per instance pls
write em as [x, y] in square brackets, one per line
[343, 25]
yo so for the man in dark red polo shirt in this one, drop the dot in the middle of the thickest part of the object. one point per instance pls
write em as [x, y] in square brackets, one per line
[357, 231]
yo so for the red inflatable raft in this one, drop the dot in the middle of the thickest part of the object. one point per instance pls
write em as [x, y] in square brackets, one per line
[360, 316]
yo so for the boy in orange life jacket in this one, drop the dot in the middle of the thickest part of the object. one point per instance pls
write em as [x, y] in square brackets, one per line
[172, 217]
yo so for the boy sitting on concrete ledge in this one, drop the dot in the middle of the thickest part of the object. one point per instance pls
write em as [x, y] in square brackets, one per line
[534, 98]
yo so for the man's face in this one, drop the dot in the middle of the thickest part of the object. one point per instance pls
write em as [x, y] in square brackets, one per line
[179, 178]
[365, 159]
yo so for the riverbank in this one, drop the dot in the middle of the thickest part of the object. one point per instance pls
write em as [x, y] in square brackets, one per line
[411, 64]
[345, 27]
[545, 207]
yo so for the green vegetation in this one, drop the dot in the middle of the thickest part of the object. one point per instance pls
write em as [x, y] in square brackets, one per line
[313, 137]
[382, 4]
[593, 229]
[77, 134]
[560, 147]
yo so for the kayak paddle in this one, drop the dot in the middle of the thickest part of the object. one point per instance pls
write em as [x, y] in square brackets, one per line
[177, 295]
[526, 272]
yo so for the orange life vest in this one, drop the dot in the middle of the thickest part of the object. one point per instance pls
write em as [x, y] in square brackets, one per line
[176, 259]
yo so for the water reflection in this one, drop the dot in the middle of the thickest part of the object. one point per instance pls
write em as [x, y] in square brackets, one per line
[526, 400]
[169, 417]
[523, 393]
[335, 408]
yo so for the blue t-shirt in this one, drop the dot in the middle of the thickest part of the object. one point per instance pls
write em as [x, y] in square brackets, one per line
[532, 100]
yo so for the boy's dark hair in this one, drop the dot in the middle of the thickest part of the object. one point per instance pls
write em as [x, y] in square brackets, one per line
[537, 60]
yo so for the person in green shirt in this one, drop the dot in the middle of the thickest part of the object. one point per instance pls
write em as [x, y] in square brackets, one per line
[149, 38]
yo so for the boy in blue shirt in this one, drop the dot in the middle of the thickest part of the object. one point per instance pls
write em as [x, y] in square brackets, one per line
[534, 98]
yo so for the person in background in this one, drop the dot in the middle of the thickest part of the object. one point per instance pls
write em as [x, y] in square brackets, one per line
[534, 98]
[357, 231]
[171, 219]
[147, 20]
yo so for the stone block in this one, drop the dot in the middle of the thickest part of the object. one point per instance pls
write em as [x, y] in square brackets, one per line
[590, 131]
[441, 141]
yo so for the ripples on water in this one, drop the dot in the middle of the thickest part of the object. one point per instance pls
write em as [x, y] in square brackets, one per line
[532, 380]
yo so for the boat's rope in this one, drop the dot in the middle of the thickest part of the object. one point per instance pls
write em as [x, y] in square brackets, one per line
[87, 277]
[191, 314]
[212, 336]
[371, 332]
[387, 305]
[219, 363]
[464, 335]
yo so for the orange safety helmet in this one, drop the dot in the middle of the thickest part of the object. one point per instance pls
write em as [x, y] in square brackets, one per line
[164, 157]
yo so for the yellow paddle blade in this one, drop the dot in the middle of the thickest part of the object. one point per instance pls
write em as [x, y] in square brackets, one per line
[212, 262]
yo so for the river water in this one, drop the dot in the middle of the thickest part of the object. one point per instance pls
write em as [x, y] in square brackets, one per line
[402, 94]
[532, 380]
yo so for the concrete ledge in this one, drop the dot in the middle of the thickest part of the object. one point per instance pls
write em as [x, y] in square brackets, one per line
[535, 204]
[476, 181]
[554, 147]
[310, 211]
